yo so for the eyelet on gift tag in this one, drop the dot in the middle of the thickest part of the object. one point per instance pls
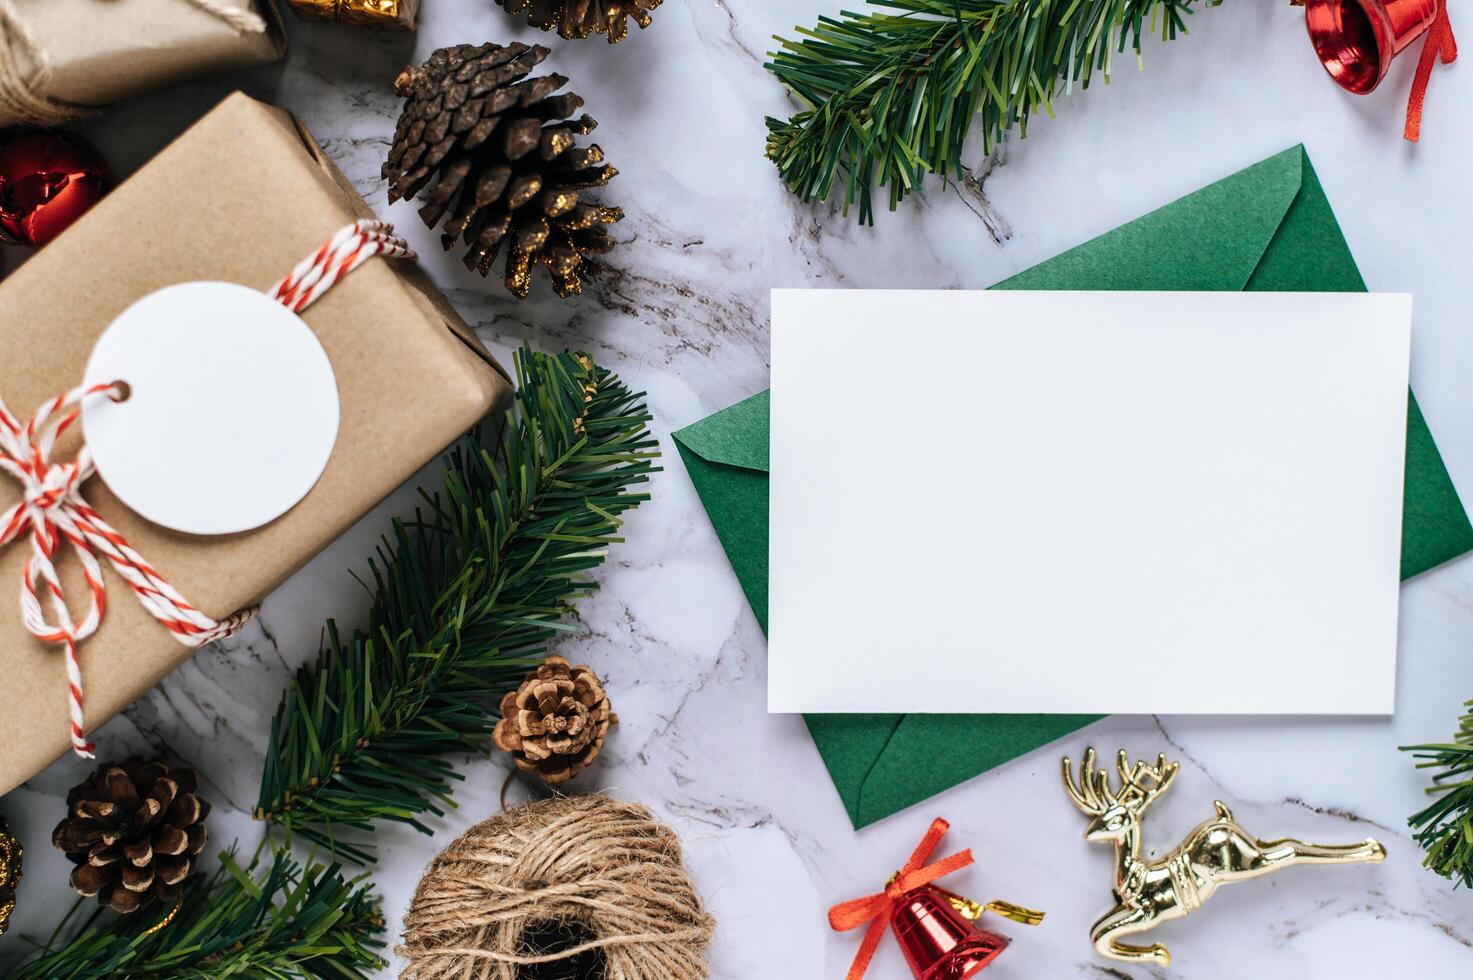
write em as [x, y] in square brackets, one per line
[231, 410]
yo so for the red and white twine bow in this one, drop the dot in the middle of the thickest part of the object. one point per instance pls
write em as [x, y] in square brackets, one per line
[874, 910]
[54, 512]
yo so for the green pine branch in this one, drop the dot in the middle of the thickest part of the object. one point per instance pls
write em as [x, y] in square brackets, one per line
[891, 95]
[468, 596]
[287, 922]
[1445, 829]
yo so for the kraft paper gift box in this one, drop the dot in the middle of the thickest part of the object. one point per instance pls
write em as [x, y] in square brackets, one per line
[243, 196]
[1269, 227]
[62, 56]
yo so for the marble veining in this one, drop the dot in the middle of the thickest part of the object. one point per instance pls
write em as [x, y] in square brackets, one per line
[681, 311]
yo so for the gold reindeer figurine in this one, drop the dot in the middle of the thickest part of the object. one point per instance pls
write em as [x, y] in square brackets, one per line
[1216, 852]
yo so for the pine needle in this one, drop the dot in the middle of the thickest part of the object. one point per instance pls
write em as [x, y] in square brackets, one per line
[288, 922]
[890, 97]
[1445, 829]
[468, 597]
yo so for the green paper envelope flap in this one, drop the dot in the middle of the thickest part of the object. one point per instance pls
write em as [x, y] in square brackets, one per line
[1435, 527]
[726, 456]
[1309, 253]
[1211, 240]
[735, 436]
[872, 759]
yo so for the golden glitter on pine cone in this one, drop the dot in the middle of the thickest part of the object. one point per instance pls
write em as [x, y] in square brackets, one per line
[133, 829]
[576, 19]
[555, 723]
[495, 154]
[10, 868]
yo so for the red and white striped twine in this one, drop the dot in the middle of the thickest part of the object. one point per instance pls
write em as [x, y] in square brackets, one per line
[53, 510]
[347, 250]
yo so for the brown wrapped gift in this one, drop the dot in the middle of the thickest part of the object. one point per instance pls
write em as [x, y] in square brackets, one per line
[62, 58]
[386, 15]
[242, 197]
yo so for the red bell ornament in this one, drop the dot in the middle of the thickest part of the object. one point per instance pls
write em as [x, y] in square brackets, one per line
[48, 180]
[938, 940]
[936, 929]
[1356, 41]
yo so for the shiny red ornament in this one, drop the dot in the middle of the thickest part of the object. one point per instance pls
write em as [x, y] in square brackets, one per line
[938, 941]
[1356, 41]
[48, 180]
[933, 926]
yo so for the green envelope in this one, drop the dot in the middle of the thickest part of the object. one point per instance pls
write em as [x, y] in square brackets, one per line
[1268, 227]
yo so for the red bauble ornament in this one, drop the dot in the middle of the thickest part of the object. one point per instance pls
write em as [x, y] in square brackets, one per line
[47, 181]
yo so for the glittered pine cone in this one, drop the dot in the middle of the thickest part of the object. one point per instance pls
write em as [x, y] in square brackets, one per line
[555, 723]
[10, 867]
[133, 829]
[574, 19]
[495, 154]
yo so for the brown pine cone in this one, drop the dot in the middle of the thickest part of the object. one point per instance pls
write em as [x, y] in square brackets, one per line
[500, 151]
[10, 867]
[133, 829]
[555, 723]
[575, 19]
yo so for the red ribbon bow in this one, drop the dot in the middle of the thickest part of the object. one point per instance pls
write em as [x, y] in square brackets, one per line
[1440, 40]
[875, 909]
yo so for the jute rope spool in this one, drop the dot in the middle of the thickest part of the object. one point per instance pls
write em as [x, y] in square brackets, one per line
[594, 867]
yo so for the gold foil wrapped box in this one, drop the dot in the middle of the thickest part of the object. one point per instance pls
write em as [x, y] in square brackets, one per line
[386, 15]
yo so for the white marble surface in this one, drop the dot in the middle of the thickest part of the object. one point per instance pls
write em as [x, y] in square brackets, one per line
[682, 313]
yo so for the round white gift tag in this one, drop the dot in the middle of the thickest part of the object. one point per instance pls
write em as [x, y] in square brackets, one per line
[231, 411]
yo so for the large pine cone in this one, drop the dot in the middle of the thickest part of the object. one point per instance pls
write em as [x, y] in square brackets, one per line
[574, 19]
[501, 150]
[133, 829]
[555, 723]
[10, 867]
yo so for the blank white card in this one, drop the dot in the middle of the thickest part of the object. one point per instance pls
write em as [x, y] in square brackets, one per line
[1086, 502]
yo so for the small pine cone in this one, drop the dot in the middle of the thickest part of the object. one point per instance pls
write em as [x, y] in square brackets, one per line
[133, 829]
[555, 723]
[10, 867]
[576, 19]
[501, 152]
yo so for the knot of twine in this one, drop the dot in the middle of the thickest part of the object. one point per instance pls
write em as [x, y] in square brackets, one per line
[54, 511]
[874, 910]
[596, 865]
[25, 67]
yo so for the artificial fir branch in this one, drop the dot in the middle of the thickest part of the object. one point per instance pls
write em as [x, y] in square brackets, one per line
[1445, 829]
[467, 597]
[891, 95]
[288, 922]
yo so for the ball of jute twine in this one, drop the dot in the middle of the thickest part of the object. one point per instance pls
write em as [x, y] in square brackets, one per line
[600, 868]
